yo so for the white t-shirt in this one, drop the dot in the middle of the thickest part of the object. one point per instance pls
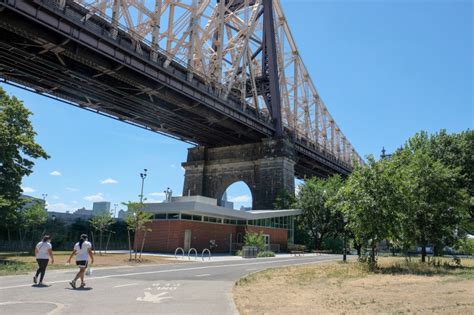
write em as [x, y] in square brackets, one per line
[82, 253]
[43, 250]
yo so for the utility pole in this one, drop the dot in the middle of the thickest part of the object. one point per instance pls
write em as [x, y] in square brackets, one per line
[44, 200]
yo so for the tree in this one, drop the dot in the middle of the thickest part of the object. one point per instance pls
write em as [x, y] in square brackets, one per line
[17, 149]
[284, 200]
[319, 217]
[101, 223]
[31, 216]
[370, 202]
[435, 204]
[136, 220]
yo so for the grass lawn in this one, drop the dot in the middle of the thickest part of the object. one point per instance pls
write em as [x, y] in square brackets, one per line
[397, 286]
[14, 264]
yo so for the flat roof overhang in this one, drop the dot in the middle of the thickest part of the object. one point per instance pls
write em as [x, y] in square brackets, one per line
[205, 209]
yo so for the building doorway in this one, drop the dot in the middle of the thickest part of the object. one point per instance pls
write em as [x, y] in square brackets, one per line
[187, 240]
[266, 238]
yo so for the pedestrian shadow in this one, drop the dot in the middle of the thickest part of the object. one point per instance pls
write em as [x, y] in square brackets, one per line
[79, 289]
[40, 286]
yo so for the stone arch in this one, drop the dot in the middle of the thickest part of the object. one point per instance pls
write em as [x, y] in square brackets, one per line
[221, 192]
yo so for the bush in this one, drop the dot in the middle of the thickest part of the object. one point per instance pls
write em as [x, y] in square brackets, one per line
[238, 253]
[266, 254]
[255, 239]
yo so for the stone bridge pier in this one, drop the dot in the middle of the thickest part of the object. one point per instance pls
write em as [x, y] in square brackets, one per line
[266, 167]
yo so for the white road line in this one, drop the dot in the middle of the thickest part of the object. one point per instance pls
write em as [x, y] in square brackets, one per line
[125, 285]
[203, 275]
[250, 269]
[185, 269]
[59, 306]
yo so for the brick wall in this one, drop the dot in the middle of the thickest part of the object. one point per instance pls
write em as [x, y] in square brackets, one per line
[168, 235]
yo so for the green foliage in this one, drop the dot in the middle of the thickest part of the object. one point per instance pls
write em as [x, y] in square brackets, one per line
[266, 254]
[435, 204]
[136, 217]
[238, 253]
[285, 200]
[17, 149]
[320, 216]
[101, 223]
[32, 215]
[255, 239]
[465, 246]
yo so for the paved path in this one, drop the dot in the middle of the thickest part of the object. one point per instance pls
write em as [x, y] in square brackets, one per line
[192, 288]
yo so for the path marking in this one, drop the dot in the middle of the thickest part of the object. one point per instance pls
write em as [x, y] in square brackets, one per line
[203, 275]
[125, 285]
[189, 269]
[59, 306]
[250, 269]
[154, 298]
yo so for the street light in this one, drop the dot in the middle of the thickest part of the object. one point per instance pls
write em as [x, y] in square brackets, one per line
[44, 200]
[143, 176]
[115, 210]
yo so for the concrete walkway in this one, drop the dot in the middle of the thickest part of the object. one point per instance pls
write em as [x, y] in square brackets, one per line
[194, 288]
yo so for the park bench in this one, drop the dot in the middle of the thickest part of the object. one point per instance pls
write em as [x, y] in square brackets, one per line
[297, 252]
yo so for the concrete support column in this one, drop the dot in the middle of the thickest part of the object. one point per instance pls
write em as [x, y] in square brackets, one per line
[266, 167]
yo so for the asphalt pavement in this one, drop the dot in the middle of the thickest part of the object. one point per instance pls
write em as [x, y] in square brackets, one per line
[184, 288]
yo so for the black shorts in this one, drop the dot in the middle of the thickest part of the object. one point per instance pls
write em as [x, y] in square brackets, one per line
[81, 263]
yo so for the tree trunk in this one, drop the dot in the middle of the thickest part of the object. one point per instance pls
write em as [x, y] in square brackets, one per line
[129, 245]
[372, 253]
[359, 249]
[108, 240]
[9, 235]
[100, 242]
[317, 242]
[423, 252]
[143, 244]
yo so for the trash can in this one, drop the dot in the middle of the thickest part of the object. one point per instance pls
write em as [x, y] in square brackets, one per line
[249, 251]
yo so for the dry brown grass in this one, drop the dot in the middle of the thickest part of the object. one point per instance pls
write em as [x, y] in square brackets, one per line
[336, 288]
[11, 264]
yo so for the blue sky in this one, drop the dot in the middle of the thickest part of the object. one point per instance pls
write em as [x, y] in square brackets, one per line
[385, 69]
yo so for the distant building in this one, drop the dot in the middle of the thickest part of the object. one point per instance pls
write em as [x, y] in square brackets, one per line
[101, 207]
[225, 203]
[68, 217]
[242, 208]
[29, 201]
[121, 214]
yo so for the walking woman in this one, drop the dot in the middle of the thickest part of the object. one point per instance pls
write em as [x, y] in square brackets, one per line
[43, 251]
[82, 250]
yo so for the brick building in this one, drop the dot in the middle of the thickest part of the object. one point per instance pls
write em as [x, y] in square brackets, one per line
[194, 221]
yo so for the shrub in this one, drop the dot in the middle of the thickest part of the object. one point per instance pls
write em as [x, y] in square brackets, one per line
[238, 253]
[255, 239]
[296, 247]
[266, 254]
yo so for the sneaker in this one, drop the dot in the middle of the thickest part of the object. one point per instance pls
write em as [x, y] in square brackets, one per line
[83, 285]
[35, 280]
[73, 284]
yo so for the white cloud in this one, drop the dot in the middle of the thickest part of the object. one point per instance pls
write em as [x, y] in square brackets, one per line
[55, 197]
[242, 198]
[157, 194]
[55, 173]
[74, 202]
[109, 181]
[72, 189]
[27, 190]
[95, 198]
[183, 169]
[152, 200]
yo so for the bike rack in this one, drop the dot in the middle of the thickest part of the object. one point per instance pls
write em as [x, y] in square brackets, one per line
[195, 253]
[177, 249]
[203, 251]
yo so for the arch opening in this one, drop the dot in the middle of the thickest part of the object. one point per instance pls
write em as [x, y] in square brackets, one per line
[237, 196]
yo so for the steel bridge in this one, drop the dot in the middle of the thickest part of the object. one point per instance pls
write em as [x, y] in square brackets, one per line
[212, 73]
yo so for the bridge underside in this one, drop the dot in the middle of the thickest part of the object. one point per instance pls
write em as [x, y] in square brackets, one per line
[57, 55]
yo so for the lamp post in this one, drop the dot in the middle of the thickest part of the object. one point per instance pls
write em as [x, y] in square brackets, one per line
[143, 176]
[44, 200]
[115, 210]
[344, 220]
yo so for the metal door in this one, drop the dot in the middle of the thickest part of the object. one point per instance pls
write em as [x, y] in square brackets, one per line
[187, 240]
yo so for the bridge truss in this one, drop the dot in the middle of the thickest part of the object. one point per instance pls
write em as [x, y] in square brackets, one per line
[244, 49]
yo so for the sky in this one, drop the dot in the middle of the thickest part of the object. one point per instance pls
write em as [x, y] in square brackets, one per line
[385, 69]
